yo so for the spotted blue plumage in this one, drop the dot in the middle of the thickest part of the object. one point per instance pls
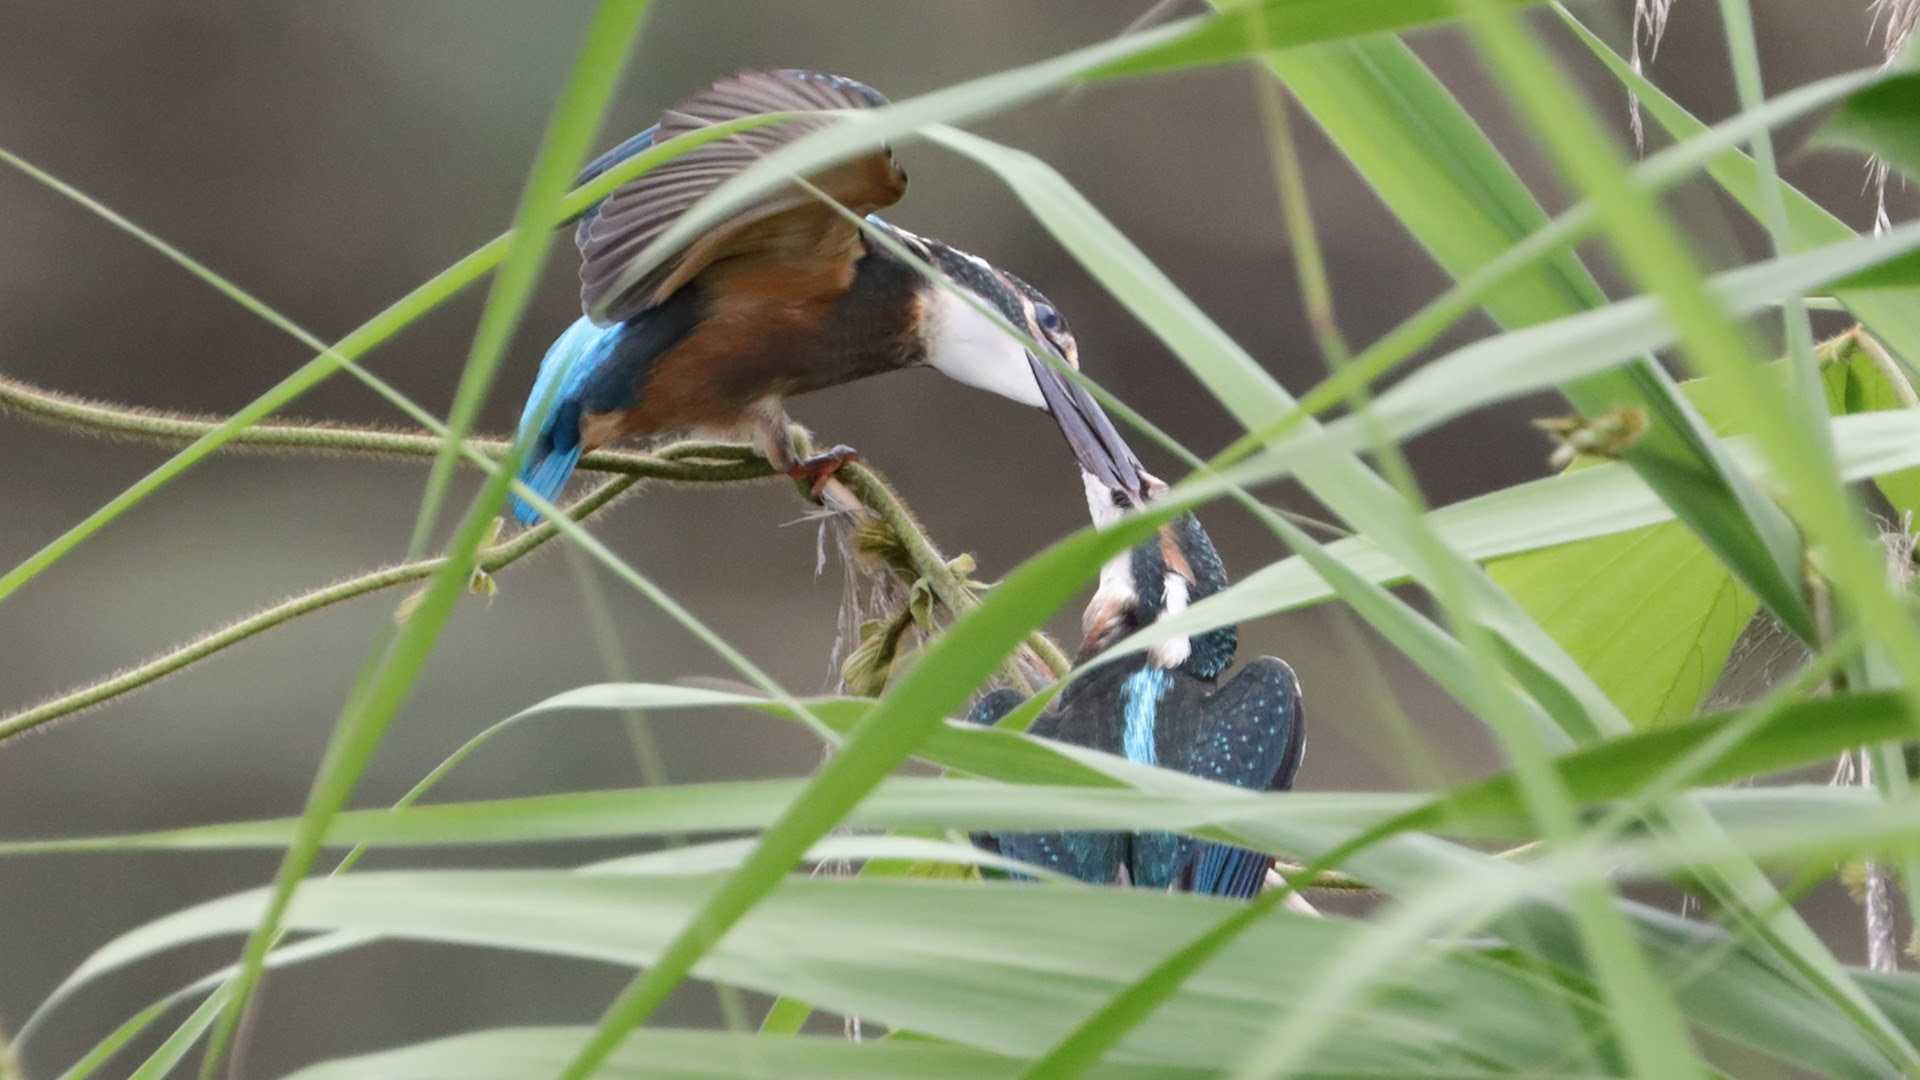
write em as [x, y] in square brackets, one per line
[1248, 731]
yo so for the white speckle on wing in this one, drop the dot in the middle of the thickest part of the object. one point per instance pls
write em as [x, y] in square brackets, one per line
[966, 346]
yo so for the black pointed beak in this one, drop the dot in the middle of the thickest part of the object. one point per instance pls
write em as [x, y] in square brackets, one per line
[1098, 447]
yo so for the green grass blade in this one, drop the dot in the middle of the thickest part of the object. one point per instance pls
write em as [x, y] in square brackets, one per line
[975, 98]
[862, 947]
[1535, 516]
[966, 655]
[175, 1048]
[1446, 183]
[1894, 314]
[104, 1050]
[1792, 735]
[385, 683]
[1185, 44]
[563, 146]
[516, 1053]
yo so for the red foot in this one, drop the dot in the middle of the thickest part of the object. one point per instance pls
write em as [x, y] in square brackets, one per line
[820, 467]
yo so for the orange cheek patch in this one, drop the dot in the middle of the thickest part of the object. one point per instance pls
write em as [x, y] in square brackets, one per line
[1176, 559]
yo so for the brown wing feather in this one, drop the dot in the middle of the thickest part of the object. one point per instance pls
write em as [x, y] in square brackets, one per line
[789, 221]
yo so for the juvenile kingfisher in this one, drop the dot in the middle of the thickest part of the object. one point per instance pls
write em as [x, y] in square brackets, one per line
[785, 297]
[1164, 706]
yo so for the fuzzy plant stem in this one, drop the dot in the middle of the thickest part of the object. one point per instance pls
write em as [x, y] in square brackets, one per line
[199, 648]
[947, 583]
[689, 463]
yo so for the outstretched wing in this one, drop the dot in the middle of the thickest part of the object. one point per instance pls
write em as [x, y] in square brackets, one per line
[634, 146]
[614, 286]
[1254, 736]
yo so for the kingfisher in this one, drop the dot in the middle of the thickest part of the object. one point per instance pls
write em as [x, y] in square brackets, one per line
[784, 297]
[1164, 706]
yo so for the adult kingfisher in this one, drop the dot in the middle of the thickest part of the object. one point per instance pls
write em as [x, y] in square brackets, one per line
[1164, 706]
[784, 297]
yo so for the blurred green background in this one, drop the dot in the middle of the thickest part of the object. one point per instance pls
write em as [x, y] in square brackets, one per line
[329, 157]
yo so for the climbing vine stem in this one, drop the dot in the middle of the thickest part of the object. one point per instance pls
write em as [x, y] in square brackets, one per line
[686, 463]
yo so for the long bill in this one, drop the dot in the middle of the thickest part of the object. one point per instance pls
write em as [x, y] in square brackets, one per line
[1098, 447]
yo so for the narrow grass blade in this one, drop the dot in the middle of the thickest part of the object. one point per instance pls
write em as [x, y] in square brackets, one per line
[1893, 313]
[386, 681]
[1450, 187]
[518, 1053]
[862, 947]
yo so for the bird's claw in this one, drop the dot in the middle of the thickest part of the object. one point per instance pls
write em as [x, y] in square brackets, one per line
[819, 468]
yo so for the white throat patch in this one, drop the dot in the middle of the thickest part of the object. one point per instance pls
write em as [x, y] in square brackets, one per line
[1173, 652]
[966, 346]
[1116, 593]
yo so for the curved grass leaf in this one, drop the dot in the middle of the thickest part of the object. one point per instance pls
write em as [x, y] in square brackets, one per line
[1798, 735]
[1892, 312]
[387, 677]
[1632, 761]
[1195, 41]
[1185, 44]
[1600, 501]
[518, 1053]
[963, 658]
[861, 947]
[1450, 187]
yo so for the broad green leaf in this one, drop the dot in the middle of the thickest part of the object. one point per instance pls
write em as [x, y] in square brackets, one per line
[864, 948]
[1795, 735]
[1649, 613]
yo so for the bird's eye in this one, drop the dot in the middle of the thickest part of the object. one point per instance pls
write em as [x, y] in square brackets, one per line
[1048, 318]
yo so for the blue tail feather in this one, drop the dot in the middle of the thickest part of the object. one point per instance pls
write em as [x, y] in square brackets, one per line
[546, 474]
[550, 423]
